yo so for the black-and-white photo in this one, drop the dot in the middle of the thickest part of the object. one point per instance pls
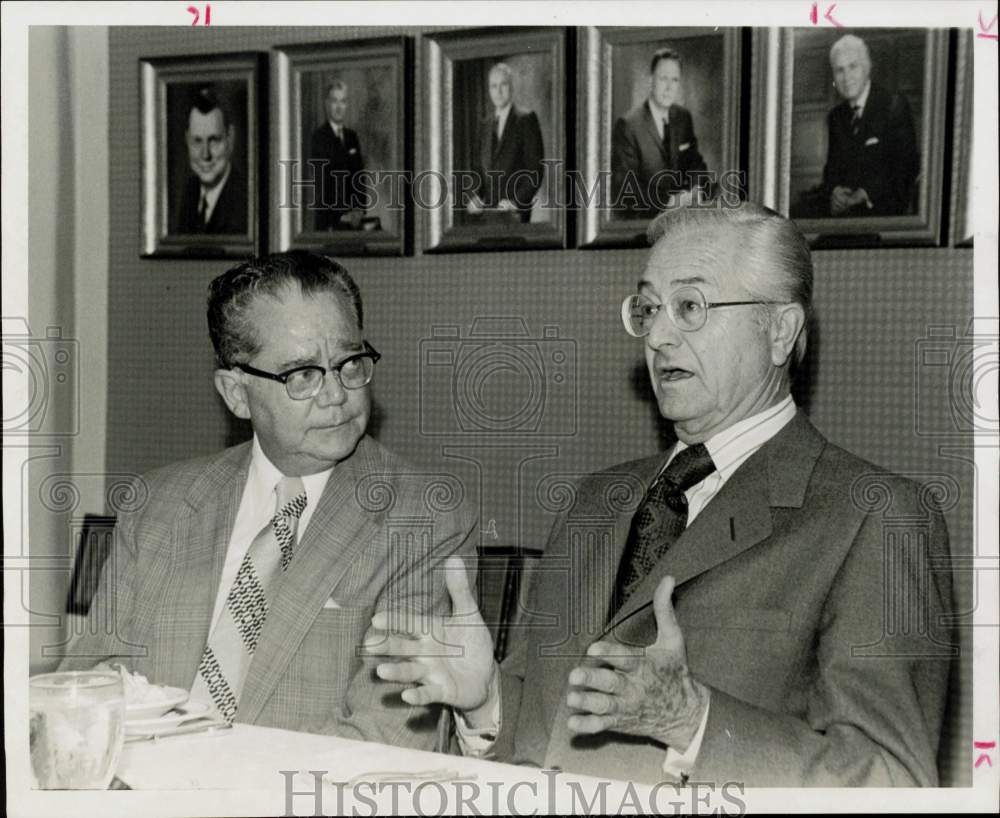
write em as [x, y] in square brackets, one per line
[496, 134]
[200, 165]
[861, 147]
[341, 156]
[499, 409]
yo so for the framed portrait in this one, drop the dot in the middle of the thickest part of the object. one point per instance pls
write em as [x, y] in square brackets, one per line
[962, 174]
[495, 136]
[202, 129]
[341, 155]
[659, 126]
[851, 142]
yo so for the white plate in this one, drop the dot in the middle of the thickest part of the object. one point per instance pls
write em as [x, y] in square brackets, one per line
[172, 697]
[187, 712]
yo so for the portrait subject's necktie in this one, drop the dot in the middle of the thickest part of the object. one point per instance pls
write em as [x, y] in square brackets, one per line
[495, 140]
[856, 119]
[203, 208]
[232, 643]
[666, 137]
[660, 519]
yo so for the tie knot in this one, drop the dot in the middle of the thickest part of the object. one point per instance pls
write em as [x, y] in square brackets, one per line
[689, 467]
[291, 497]
[857, 110]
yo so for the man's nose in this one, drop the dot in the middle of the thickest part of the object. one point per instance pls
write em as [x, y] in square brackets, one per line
[206, 151]
[332, 391]
[664, 331]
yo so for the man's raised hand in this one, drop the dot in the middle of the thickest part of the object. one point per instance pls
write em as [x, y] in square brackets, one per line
[447, 659]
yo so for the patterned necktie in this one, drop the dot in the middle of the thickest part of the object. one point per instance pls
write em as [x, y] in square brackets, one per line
[660, 519]
[234, 638]
[856, 119]
[666, 137]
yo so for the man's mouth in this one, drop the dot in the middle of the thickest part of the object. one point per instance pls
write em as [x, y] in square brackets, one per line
[673, 373]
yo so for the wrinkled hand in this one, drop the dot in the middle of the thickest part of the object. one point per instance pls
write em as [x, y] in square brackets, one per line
[641, 691]
[840, 200]
[475, 205]
[860, 196]
[448, 659]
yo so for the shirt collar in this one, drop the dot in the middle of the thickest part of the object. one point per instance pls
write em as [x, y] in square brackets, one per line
[730, 447]
[264, 477]
[862, 99]
[659, 114]
[337, 129]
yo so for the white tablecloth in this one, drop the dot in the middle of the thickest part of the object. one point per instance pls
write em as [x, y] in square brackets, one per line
[249, 758]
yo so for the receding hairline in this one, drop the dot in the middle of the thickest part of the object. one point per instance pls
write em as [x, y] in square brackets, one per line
[850, 43]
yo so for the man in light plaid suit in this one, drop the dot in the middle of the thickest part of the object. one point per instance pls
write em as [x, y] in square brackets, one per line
[251, 576]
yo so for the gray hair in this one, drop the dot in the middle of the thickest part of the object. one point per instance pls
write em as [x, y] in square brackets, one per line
[850, 42]
[230, 296]
[778, 261]
[336, 85]
[503, 68]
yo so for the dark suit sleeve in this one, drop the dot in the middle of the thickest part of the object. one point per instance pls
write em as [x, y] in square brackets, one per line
[625, 156]
[690, 160]
[876, 703]
[903, 161]
[532, 151]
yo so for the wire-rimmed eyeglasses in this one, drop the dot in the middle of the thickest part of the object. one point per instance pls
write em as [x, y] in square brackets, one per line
[686, 308]
[304, 382]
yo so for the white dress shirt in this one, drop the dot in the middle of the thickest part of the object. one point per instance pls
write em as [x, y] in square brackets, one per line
[256, 509]
[862, 100]
[729, 449]
[500, 119]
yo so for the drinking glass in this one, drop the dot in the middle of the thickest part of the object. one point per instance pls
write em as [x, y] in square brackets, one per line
[77, 728]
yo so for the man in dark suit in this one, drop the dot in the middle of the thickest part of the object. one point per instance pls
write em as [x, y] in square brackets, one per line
[654, 150]
[335, 153]
[250, 576]
[756, 605]
[872, 160]
[214, 198]
[509, 163]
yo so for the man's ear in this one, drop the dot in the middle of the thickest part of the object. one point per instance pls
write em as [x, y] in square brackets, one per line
[229, 384]
[788, 323]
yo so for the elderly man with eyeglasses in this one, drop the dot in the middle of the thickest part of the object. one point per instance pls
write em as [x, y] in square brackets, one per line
[755, 605]
[250, 577]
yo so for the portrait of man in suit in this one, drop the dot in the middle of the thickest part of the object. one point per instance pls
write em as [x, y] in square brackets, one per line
[872, 161]
[730, 623]
[214, 196]
[508, 157]
[250, 577]
[335, 151]
[654, 149]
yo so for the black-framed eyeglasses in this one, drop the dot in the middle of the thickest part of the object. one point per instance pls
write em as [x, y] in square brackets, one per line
[304, 382]
[686, 308]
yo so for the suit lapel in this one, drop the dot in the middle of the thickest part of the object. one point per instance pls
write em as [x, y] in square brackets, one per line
[203, 537]
[655, 131]
[338, 531]
[739, 516]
